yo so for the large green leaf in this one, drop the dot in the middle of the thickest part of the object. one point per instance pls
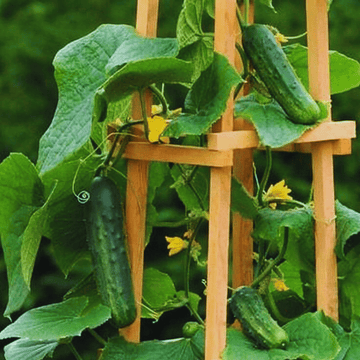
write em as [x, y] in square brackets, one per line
[269, 225]
[347, 224]
[79, 71]
[354, 338]
[309, 338]
[179, 349]
[140, 48]
[349, 278]
[309, 335]
[56, 321]
[21, 193]
[242, 202]
[271, 122]
[24, 349]
[138, 75]
[31, 240]
[207, 99]
[195, 45]
[344, 71]
[65, 226]
[160, 295]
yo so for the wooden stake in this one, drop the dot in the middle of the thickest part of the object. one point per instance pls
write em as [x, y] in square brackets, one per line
[242, 242]
[220, 188]
[322, 156]
[137, 175]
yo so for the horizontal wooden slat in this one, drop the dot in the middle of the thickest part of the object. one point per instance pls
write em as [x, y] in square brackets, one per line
[178, 154]
[243, 139]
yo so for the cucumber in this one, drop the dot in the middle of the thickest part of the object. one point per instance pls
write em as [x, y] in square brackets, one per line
[106, 239]
[248, 307]
[274, 69]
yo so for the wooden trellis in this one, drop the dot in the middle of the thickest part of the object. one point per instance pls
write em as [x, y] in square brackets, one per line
[229, 151]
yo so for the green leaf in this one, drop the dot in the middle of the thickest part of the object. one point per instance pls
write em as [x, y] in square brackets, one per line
[242, 202]
[344, 71]
[194, 197]
[210, 8]
[354, 338]
[138, 75]
[79, 71]
[271, 122]
[207, 99]
[349, 277]
[25, 349]
[300, 252]
[347, 224]
[157, 174]
[292, 277]
[65, 226]
[158, 291]
[56, 321]
[31, 240]
[188, 29]
[179, 349]
[269, 4]
[140, 48]
[237, 343]
[21, 193]
[311, 337]
[195, 45]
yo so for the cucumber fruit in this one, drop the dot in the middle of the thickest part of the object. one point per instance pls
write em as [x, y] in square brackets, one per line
[274, 69]
[248, 307]
[106, 239]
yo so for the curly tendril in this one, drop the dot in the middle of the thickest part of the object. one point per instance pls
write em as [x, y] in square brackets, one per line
[83, 197]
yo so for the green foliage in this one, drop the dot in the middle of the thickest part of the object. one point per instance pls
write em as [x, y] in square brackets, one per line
[270, 121]
[182, 349]
[344, 71]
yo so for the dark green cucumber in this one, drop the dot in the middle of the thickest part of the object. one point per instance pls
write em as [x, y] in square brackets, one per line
[274, 69]
[106, 239]
[248, 307]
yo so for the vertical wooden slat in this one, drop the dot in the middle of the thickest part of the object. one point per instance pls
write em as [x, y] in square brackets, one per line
[137, 181]
[220, 187]
[322, 157]
[242, 242]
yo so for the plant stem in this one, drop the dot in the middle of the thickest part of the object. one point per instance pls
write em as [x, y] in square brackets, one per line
[97, 336]
[187, 272]
[143, 112]
[265, 177]
[188, 179]
[273, 263]
[160, 97]
[74, 351]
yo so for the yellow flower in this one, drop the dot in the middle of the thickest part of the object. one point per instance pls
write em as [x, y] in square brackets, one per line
[278, 191]
[280, 38]
[280, 285]
[176, 244]
[157, 125]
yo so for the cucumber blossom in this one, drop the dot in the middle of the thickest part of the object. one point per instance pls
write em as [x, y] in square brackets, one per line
[106, 239]
[248, 307]
[271, 64]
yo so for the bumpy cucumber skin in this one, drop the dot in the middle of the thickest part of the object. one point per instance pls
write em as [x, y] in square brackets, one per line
[248, 307]
[105, 234]
[273, 68]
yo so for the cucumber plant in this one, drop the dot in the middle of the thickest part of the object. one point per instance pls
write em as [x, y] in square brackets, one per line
[98, 74]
